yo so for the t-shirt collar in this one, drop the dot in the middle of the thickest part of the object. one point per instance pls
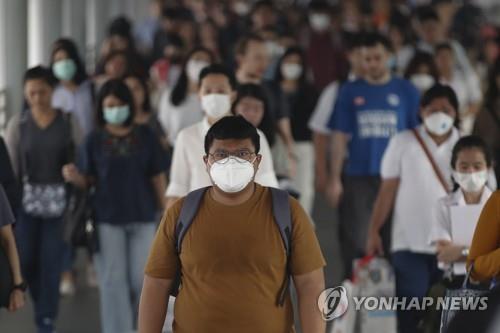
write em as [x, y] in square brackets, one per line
[459, 197]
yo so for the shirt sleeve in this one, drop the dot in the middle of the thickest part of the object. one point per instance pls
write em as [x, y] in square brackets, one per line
[12, 141]
[392, 159]
[180, 170]
[266, 176]
[323, 110]
[484, 250]
[163, 261]
[306, 253]
[414, 106]
[441, 229]
[85, 160]
[342, 116]
[158, 162]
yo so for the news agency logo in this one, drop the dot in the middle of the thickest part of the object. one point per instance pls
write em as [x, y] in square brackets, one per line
[333, 303]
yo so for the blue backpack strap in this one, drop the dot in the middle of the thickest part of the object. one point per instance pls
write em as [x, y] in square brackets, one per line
[186, 217]
[283, 219]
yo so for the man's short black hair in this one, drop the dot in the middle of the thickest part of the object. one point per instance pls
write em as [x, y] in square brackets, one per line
[372, 39]
[232, 127]
[40, 73]
[218, 69]
[439, 91]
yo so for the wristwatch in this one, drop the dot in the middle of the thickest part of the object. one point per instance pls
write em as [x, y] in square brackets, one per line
[465, 252]
[21, 286]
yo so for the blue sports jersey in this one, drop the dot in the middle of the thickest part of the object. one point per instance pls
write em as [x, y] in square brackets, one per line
[372, 114]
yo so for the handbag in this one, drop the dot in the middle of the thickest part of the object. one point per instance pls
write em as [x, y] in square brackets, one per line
[80, 227]
[466, 291]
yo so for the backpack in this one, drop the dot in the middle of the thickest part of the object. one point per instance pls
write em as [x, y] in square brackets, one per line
[282, 218]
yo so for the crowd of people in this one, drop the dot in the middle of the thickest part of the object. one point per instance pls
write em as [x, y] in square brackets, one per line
[391, 109]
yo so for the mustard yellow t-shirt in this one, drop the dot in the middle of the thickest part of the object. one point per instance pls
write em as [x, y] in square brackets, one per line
[233, 265]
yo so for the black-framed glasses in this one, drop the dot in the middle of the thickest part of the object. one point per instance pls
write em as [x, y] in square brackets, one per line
[222, 156]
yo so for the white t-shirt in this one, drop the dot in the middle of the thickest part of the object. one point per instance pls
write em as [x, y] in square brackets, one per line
[419, 188]
[324, 109]
[188, 171]
[175, 118]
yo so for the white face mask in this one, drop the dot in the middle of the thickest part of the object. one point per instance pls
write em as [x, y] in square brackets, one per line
[291, 71]
[193, 69]
[439, 123]
[319, 22]
[422, 81]
[274, 49]
[232, 174]
[216, 105]
[471, 182]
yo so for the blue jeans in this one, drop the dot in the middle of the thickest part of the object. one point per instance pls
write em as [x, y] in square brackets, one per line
[120, 266]
[415, 274]
[40, 243]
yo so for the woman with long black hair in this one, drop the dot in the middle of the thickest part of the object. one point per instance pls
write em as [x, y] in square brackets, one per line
[74, 91]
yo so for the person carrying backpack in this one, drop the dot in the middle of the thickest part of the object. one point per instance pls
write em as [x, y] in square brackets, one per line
[233, 246]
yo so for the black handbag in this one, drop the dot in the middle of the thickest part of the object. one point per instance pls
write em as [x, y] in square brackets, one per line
[6, 281]
[80, 228]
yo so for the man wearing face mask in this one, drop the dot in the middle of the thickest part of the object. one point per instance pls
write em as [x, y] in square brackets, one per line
[415, 173]
[368, 112]
[232, 260]
[216, 91]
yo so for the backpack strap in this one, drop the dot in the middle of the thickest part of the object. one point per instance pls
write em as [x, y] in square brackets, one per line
[189, 210]
[186, 217]
[283, 219]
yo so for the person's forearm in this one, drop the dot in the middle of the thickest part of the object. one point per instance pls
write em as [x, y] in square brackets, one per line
[339, 148]
[8, 242]
[285, 132]
[383, 204]
[160, 185]
[310, 316]
[153, 304]
[320, 150]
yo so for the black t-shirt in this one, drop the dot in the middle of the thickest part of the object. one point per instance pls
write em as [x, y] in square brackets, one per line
[44, 151]
[302, 103]
[7, 177]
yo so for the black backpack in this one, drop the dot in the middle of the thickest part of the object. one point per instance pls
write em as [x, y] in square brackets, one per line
[282, 217]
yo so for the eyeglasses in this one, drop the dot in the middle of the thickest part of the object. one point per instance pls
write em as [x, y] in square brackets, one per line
[221, 156]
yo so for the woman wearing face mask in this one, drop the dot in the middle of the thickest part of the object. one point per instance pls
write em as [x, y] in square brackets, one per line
[422, 71]
[180, 107]
[456, 214]
[125, 163]
[302, 97]
[415, 172]
[74, 92]
[40, 140]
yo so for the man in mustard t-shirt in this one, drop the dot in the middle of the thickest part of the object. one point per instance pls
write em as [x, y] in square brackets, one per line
[233, 258]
